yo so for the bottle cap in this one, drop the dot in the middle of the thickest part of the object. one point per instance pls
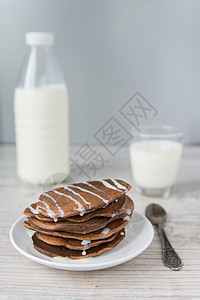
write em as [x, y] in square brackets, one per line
[39, 38]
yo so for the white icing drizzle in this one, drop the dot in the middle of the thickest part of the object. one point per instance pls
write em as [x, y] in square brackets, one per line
[85, 259]
[120, 186]
[122, 233]
[86, 191]
[84, 242]
[57, 205]
[49, 211]
[105, 230]
[61, 259]
[116, 200]
[113, 215]
[89, 184]
[33, 210]
[82, 213]
[127, 218]
[30, 232]
[108, 185]
[75, 193]
[80, 206]
[128, 211]
[83, 252]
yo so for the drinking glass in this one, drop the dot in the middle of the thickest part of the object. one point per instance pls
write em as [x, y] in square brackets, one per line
[155, 155]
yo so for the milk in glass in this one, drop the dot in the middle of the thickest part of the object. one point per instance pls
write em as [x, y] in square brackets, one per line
[155, 162]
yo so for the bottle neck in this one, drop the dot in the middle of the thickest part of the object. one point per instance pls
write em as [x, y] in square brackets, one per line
[45, 48]
[40, 68]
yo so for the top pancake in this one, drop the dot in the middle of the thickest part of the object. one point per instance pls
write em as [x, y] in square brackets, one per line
[78, 198]
[108, 211]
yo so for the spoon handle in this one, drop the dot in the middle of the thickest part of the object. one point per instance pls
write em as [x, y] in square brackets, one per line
[170, 257]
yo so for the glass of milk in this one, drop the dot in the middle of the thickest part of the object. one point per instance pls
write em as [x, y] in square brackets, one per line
[155, 155]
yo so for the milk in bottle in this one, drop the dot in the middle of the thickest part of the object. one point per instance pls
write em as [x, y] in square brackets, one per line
[41, 114]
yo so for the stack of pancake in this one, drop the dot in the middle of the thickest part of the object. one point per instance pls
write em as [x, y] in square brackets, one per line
[80, 220]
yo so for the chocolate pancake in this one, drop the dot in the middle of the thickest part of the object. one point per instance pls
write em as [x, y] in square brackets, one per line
[72, 243]
[53, 251]
[91, 225]
[112, 209]
[78, 198]
[112, 228]
[127, 210]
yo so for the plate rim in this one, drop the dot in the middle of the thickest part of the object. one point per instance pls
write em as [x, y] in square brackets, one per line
[80, 267]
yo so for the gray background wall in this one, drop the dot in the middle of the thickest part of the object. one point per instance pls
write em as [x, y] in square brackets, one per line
[110, 49]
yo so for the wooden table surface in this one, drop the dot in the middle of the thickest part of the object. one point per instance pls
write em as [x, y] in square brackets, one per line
[144, 277]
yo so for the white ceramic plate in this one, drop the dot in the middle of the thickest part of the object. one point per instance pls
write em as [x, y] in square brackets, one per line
[138, 237]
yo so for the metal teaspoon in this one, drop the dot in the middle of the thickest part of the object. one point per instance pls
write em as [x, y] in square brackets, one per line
[157, 216]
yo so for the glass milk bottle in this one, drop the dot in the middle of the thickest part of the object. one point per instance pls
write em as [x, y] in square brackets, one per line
[41, 114]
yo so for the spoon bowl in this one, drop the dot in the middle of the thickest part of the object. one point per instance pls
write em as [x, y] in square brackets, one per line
[156, 214]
